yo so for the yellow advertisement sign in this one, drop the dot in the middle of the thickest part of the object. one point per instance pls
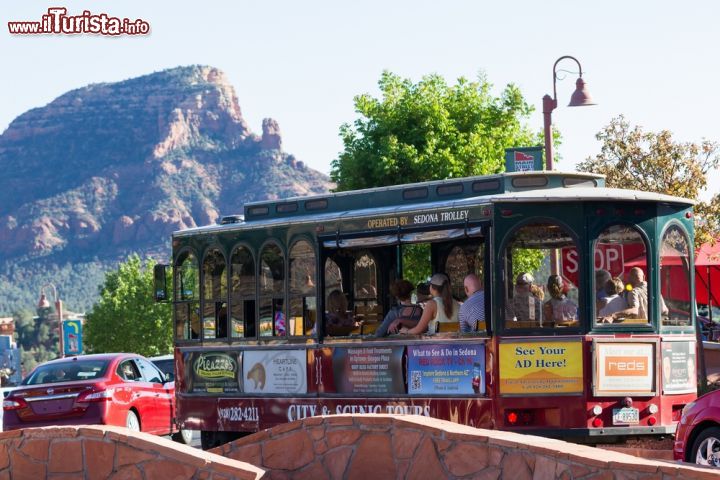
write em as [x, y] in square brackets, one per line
[541, 368]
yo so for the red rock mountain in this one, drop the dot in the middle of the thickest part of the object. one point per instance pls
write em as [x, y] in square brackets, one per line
[114, 168]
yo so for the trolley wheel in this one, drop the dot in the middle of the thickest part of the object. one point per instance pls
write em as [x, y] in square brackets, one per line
[183, 436]
[706, 448]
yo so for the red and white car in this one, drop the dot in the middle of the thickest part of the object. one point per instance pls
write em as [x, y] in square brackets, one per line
[120, 389]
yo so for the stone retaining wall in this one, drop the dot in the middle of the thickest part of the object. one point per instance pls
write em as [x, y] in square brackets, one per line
[369, 447]
[109, 452]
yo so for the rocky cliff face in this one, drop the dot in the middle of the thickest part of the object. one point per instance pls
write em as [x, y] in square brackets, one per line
[112, 168]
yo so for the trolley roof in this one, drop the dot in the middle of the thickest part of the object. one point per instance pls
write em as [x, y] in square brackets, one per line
[520, 187]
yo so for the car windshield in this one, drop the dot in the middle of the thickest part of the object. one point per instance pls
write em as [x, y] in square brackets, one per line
[67, 372]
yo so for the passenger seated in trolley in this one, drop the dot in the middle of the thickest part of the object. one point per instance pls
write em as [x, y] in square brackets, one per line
[636, 297]
[559, 309]
[524, 306]
[404, 314]
[442, 308]
[613, 300]
[338, 321]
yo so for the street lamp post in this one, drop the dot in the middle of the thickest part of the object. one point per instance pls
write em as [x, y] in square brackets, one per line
[580, 98]
[43, 303]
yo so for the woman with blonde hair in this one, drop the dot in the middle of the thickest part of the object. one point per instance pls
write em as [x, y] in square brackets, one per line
[442, 308]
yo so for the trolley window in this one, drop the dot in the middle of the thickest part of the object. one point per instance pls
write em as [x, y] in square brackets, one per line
[214, 305]
[461, 261]
[272, 291]
[674, 303]
[303, 304]
[537, 295]
[621, 266]
[187, 296]
[242, 293]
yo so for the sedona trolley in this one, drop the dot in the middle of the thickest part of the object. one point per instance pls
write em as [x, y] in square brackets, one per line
[254, 347]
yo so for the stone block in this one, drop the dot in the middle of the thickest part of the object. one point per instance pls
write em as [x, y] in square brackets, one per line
[23, 468]
[284, 428]
[465, 459]
[320, 447]
[405, 442]
[496, 456]
[290, 452]
[314, 471]
[373, 458]
[131, 456]
[544, 468]
[336, 462]
[99, 457]
[247, 453]
[338, 420]
[128, 472]
[10, 434]
[4, 456]
[36, 448]
[313, 422]
[490, 473]
[92, 431]
[168, 469]
[316, 433]
[50, 432]
[345, 436]
[425, 463]
[515, 462]
[65, 456]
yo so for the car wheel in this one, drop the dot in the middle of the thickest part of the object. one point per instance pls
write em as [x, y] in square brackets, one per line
[132, 422]
[184, 436]
[706, 448]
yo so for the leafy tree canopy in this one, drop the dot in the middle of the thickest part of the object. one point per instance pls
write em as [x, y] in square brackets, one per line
[654, 162]
[126, 318]
[37, 339]
[430, 130]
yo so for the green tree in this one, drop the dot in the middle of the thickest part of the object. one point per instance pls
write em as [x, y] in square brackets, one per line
[429, 131]
[36, 337]
[654, 162]
[416, 262]
[126, 318]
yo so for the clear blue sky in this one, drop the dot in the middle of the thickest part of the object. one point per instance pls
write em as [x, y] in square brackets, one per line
[302, 62]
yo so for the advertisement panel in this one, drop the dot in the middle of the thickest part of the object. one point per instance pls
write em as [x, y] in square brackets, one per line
[541, 368]
[624, 369]
[446, 369]
[275, 371]
[678, 367]
[368, 370]
[213, 372]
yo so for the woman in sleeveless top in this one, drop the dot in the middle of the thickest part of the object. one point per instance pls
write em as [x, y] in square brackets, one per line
[442, 308]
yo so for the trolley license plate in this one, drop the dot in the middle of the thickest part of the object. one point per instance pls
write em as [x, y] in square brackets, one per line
[626, 416]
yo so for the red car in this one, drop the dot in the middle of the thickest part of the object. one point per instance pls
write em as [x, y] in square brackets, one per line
[110, 389]
[697, 438]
